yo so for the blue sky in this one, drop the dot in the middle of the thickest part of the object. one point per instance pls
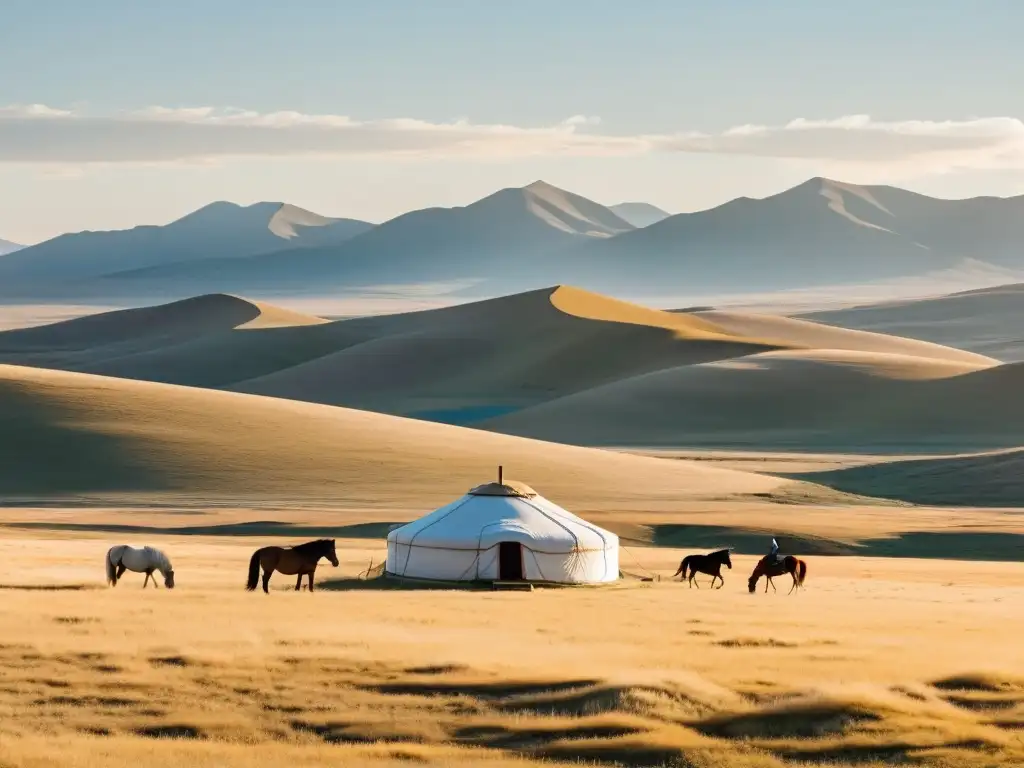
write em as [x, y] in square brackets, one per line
[644, 100]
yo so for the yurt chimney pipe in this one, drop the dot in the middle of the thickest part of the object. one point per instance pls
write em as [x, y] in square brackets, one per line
[500, 468]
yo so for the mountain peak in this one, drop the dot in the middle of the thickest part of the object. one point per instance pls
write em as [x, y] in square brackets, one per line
[572, 213]
[541, 186]
[225, 210]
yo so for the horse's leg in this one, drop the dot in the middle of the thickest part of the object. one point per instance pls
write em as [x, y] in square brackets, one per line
[146, 580]
[772, 582]
[298, 582]
[311, 578]
[721, 581]
[266, 579]
[120, 572]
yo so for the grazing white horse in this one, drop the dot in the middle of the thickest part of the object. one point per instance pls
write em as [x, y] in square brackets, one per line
[146, 560]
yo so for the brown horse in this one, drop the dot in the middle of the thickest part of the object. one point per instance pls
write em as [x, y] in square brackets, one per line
[711, 564]
[297, 561]
[768, 568]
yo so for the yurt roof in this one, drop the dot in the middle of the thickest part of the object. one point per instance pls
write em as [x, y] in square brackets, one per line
[504, 488]
[503, 511]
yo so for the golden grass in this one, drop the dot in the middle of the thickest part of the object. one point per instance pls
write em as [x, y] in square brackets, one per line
[876, 662]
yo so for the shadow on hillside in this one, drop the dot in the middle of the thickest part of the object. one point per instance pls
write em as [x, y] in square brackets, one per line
[76, 460]
[932, 545]
[744, 541]
[384, 584]
[49, 587]
[254, 528]
[466, 415]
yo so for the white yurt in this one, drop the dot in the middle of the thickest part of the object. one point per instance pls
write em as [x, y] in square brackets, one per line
[503, 531]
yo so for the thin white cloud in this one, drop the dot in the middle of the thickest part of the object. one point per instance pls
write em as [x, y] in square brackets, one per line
[852, 141]
[40, 134]
[160, 134]
[37, 111]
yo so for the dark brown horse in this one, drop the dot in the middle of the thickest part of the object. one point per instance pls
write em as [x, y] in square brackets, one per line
[769, 567]
[711, 564]
[296, 561]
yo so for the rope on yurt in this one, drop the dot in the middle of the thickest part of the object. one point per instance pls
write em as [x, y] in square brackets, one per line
[537, 563]
[564, 513]
[655, 576]
[372, 572]
[475, 563]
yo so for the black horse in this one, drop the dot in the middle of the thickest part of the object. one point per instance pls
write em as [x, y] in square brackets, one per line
[711, 564]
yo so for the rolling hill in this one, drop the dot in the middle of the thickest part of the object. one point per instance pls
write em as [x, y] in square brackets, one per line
[218, 230]
[455, 363]
[798, 333]
[813, 399]
[474, 362]
[207, 341]
[98, 438]
[993, 479]
[461, 363]
[986, 321]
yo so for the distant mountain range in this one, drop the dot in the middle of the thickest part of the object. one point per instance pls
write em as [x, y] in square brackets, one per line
[6, 246]
[216, 230]
[819, 233]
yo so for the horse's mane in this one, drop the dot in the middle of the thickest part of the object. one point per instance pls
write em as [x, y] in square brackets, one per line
[312, 546]
[165, 561]
[721, 551]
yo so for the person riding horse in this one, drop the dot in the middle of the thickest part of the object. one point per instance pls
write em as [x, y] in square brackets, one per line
[774, 554]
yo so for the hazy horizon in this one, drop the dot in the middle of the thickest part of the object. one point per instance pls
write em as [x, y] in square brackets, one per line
[682, 108]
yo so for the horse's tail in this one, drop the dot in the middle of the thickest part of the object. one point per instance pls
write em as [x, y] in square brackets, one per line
[254, 570]
[801, 572]
[683, 566]
[110, 568]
